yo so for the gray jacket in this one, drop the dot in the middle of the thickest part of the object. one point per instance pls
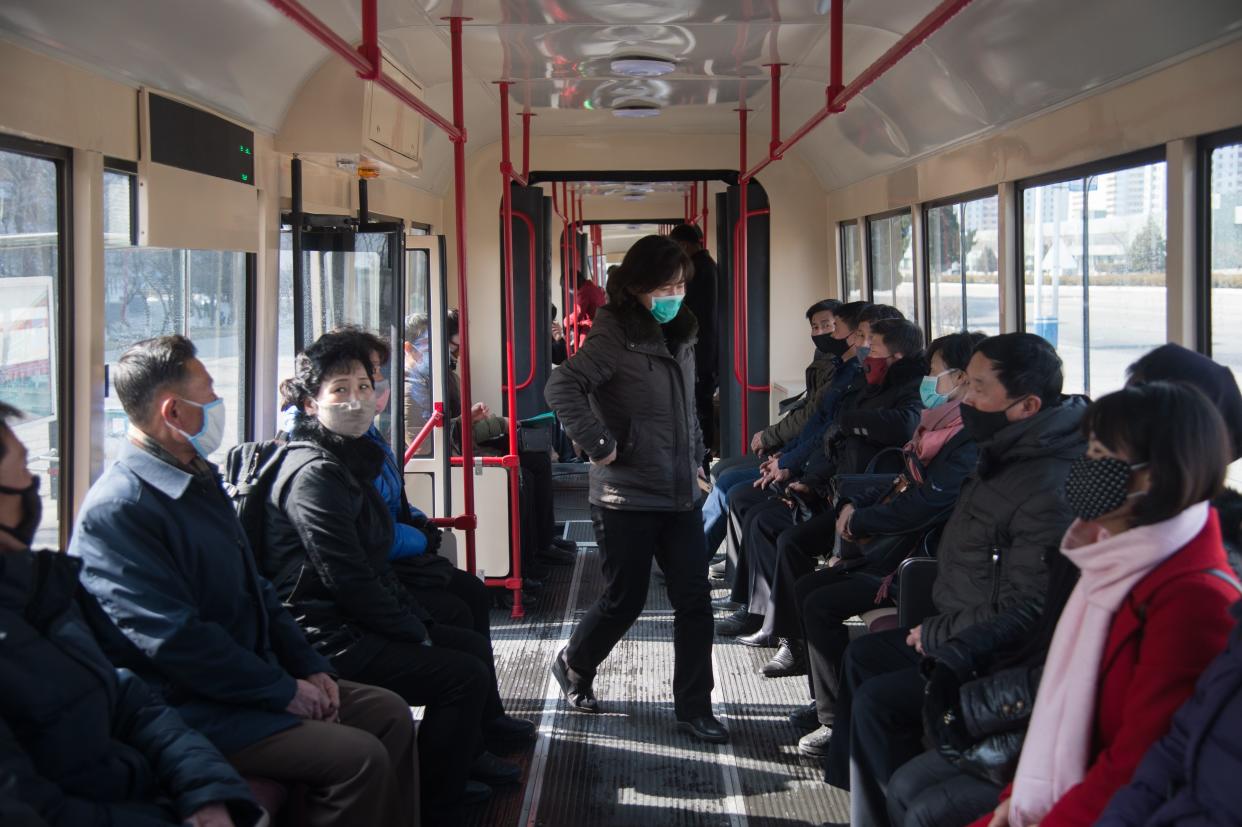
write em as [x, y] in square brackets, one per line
[1010, 514]
[631, 387]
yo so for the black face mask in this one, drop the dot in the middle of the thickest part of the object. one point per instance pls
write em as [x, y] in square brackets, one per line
[827, 343]
[32, 512]
[983, 425]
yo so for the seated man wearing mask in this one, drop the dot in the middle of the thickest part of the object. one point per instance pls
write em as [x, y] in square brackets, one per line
[164, 553]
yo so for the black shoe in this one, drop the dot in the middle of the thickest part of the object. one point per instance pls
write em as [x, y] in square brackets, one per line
[532, 584]
[758, 639]
[740, 622]
[565, 545]
[492, 770]
[789, 660]
[554, 556]
[578, 695]
[705, 728]
[508, 730]
[805, 717]
[727, 603]
[476, 792]
[816, 743]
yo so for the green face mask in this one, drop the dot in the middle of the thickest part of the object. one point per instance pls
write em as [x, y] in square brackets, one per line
[664, 308]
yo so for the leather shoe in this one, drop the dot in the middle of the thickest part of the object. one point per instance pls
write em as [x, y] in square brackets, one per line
[740, 622]
[816, 743]
[578, 694]
[509, 730]
[705, 728]
[727, 603]
[554, 556]
[492, 770]
[789, 660]
[758, 639]
[805, 717]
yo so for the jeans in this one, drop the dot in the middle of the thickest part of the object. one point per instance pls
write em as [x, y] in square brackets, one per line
[716, 507]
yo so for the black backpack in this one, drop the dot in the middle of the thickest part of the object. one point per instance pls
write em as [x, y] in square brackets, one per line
[249, 472]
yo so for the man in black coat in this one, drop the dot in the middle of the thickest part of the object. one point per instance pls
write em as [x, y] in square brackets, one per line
[82, 742]
[703, 300]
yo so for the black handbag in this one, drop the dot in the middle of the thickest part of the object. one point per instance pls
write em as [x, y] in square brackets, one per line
[850, 486]
[423, 571]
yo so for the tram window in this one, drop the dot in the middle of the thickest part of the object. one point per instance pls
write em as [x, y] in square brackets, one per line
[1094, 252]
[963, 269]
[851, 261]
[892, 263]
[285, 351]
[419, 349]
[1226, 254]
[198, 293]
[29, 298]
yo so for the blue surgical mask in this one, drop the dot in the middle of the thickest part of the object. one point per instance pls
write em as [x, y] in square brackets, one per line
[211, 435]
[863, 352]
[931, 397]
[665, 308]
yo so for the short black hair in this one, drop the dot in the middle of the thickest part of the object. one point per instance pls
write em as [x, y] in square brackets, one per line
[687, 234]
[900, 336]
[452, 323]
[878, 313]
[1173, 428]
[1026, 364]
[955, 348]
[373, 342]
[650, 264]
[148, 367]
[1174, 363]
[829, 305]
[330, 355]
[7, 414]
[850, 313]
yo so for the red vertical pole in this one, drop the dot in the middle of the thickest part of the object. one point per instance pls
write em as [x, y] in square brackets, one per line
[705, 215]
[370, 38]
[743, 303]
[577, 214]
[775, 142]
[459, 198]
[836, 78]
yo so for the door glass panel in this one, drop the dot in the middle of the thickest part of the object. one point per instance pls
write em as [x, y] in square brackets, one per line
[418, 355]
[29, 360]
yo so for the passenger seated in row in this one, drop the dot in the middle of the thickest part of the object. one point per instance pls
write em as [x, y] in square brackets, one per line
[1121, 660]
[327, 538]
[82, 742]
[164, 553]
[884, 414]
[1011, 512]
[1005, 655]
[879, 526]
[726, 473]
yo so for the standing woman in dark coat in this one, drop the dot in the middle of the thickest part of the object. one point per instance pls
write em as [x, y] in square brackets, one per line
[627, 399]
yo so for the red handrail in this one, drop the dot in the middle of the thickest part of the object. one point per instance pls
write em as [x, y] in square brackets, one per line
[436, 421]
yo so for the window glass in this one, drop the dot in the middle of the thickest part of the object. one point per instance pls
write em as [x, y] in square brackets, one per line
[29, 359]
[963, 267]
[197, 293]
[851, 261]
[118, 216]
[419, 361]
[1094, 251]
[285, 352]
[892, 264]
[1226, 255]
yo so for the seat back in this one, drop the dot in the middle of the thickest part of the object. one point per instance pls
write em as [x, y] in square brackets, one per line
[915, 578]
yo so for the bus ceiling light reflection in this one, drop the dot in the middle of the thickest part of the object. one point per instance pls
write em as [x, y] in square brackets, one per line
[641, 67]
[636, 111]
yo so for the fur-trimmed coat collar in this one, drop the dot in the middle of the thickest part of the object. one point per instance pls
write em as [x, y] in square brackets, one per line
[363, 458]
[642, 329]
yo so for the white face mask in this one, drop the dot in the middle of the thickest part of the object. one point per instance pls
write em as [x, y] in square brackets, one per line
[211, 435]
[348, 419]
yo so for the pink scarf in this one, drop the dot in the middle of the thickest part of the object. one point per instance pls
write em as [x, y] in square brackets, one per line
[936, 427]
[1058, 740]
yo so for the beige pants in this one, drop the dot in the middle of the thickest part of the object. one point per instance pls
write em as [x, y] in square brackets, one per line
[361, 771]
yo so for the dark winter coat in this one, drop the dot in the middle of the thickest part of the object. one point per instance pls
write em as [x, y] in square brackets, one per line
[1191, 776]
[166, 556]
[818, 378]
[1010, 513]
[328, 534]
[82, 742]
[704, 301]
[631, 387]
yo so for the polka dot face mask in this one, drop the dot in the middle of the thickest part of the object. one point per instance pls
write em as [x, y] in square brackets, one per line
[1096, 487]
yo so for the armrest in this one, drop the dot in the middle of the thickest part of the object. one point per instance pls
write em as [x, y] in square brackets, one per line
[915, 577]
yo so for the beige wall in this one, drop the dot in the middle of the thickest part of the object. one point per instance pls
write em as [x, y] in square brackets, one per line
[798, 244]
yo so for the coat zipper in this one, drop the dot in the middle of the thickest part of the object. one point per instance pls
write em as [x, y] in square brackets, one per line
[996, 572]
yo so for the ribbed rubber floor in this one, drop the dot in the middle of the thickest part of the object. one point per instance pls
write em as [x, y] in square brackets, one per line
[629, 767]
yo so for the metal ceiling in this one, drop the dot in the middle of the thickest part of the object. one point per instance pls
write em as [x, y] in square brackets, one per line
[996, 62]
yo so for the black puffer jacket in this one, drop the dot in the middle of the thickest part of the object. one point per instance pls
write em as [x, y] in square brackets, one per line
[631, 387]
[1010, 514]
[327, 538]
[81, 742]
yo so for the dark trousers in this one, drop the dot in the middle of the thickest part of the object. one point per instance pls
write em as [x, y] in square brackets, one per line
[452, 680]
[764, 524]
[827, 598]
[928, 791]
[878, 723]
[743, 500]
[798, 550]
[628, 540]
[704, 393]
[537, 488]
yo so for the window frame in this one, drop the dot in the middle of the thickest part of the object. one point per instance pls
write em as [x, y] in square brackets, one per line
[844, 280]
[62, 158]
[925, 276]
[1206, 145]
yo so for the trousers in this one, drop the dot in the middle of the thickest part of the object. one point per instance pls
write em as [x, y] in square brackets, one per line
[928, 791]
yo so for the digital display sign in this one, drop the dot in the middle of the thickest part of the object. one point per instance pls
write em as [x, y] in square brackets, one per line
[188, 138]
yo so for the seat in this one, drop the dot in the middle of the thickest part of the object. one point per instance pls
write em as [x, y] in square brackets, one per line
[915, 578]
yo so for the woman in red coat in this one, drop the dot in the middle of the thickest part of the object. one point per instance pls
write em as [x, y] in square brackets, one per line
[1150, 611]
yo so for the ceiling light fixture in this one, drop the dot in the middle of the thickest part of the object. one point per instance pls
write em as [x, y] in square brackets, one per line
[632, 110]
[641, 67]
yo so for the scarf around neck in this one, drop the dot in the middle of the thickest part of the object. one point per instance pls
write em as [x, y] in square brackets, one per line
[1058, 742]
[936, 427]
